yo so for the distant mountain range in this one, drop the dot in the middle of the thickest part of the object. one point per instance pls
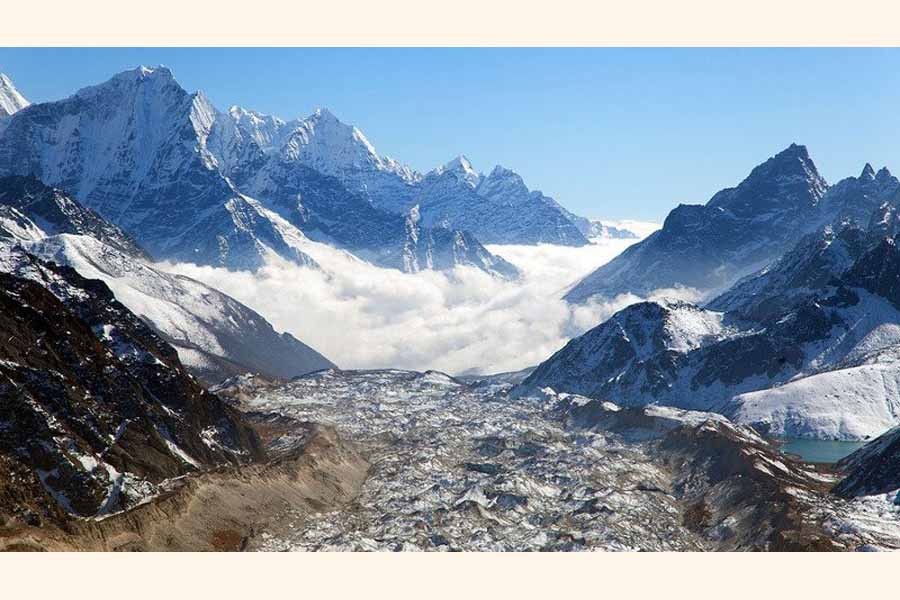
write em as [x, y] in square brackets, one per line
[807, 347]
[230, 188]
[740, 230]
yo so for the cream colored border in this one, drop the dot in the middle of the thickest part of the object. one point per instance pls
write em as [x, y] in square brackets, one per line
[458, 23]
[448, 22]
[468, 576]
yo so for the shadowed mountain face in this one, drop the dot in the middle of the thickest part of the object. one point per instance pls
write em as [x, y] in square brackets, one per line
[874, 468]
[31, 210]
[97, 410]
[215, 335]
[806, 348]
[740, 230]
[168, 167]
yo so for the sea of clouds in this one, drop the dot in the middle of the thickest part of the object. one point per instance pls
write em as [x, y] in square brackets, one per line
[362, 316]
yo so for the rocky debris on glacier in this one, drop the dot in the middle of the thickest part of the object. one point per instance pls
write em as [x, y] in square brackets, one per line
[98, 414]
[460, 467]
[740, 230]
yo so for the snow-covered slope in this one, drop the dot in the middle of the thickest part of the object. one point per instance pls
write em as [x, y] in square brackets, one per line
[496, 209]
[809, 347]
[740, 230]
[215, 335]
[162, 164]
[11, 101]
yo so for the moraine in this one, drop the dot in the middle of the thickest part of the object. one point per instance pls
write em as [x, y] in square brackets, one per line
[463, 466]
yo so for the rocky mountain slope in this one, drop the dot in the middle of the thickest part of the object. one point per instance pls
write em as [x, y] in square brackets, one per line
[98, 412]
[216, 336]
[157, 161]
[740, 230]
[874, 468]
[805, 348]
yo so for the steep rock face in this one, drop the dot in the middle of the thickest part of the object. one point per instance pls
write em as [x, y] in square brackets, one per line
[11, 101]
[874, 468]
[809, 347]
[49, 211]
[98, 411]
[710, 246]
[134, 150]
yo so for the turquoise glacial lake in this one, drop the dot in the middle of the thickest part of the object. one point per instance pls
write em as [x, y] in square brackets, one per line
[820, 451]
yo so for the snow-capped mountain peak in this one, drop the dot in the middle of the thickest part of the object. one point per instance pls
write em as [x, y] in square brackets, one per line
[883, 174]
[503, 185]
[11, 101]
[868, 172]
[462, 169]
[325, 143]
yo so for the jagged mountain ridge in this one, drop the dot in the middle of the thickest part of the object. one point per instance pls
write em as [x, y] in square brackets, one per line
[806, 348]
[740, 230]
[150, 157]
[29, 210]
[497, 209]
[11, 100]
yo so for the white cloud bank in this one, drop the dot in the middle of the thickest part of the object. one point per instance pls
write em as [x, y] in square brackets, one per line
[362, 316]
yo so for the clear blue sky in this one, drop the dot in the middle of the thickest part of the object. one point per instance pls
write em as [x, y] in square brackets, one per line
[616, 133]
